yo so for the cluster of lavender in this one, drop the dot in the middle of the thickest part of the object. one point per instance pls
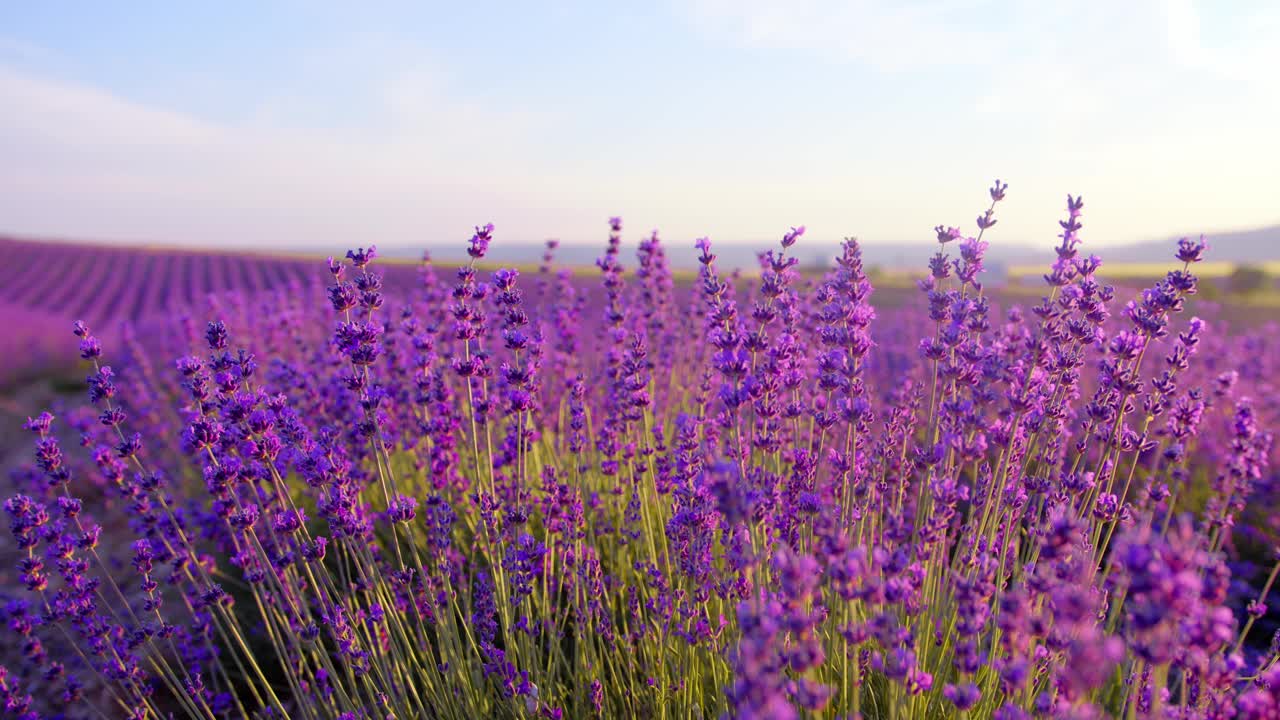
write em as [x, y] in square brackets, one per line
[753, 498]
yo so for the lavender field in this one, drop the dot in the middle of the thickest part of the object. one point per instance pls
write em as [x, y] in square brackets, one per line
[291, 488]
[113, 287]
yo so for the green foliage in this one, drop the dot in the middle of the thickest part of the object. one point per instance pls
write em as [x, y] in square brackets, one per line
[1209, 290]
[1248, 279]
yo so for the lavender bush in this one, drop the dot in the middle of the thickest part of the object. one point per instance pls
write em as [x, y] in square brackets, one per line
[522, 497]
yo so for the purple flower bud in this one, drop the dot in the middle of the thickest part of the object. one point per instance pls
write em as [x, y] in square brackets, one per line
[402, 509]
[962, 696]
[69, 507]
[480, 241]
[790, 238]
[315, 550]
[505, 279]
[216, 335]
[90, 348]
[361, 257]
[40, 425]
[1191, 251]
[947, 234]
[704, 247]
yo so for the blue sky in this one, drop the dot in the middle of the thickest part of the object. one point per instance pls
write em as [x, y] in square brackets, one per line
[293, 124]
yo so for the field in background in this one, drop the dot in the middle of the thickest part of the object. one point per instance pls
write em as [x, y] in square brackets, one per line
[1208, 269]
[1222, 282]
[109, 287]
[56, 283]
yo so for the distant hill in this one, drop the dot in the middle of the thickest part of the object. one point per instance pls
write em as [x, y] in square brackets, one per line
[1242, 246]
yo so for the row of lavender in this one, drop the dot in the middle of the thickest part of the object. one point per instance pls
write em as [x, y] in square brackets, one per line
[57, 283]
[520, 497]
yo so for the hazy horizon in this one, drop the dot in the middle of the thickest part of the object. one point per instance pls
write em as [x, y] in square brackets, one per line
[1257, 246]
[631, 237]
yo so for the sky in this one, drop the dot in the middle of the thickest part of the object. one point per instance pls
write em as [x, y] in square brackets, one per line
[318, 125]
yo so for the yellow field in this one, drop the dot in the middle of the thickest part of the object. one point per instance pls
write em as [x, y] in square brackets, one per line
[1152, 270]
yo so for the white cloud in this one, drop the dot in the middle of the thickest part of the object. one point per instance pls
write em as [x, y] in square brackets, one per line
[1157, 104]
[1075, 59]
[888, 35]
[82, 117]
[83, 162]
